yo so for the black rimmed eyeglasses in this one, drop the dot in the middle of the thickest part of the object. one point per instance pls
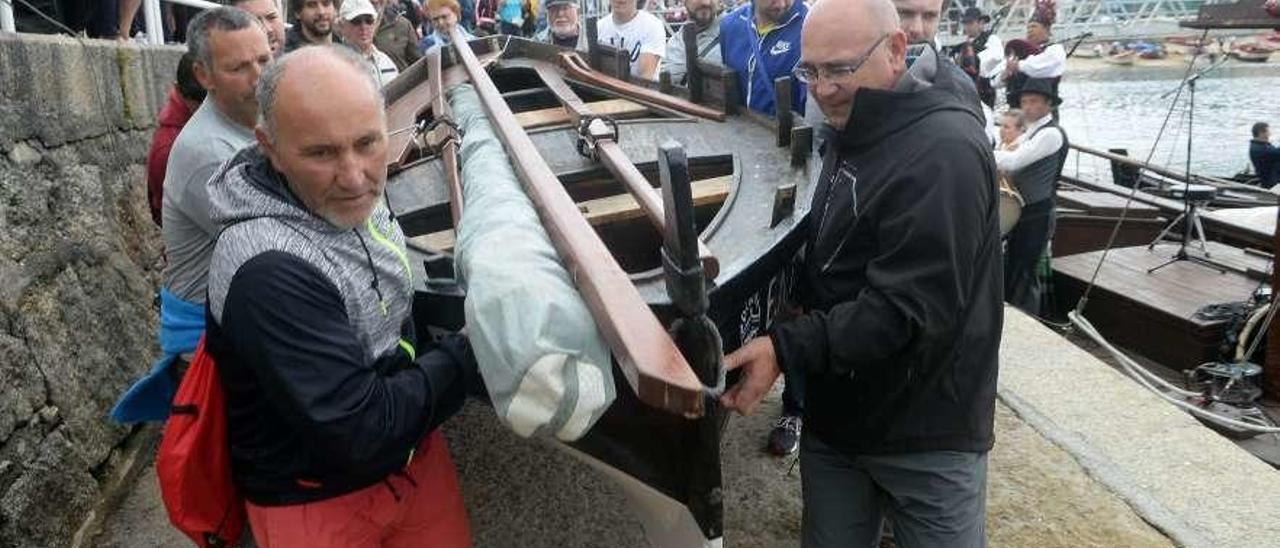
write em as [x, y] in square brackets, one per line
[835, 71]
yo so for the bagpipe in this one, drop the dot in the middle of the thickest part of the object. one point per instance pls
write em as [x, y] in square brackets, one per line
[1020, 48]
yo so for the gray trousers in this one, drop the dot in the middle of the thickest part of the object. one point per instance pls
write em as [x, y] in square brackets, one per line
[935, 498]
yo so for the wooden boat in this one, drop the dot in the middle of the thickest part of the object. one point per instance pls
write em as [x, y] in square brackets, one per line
[1250, 53]
[1090, 52]
[1239, 215]
[1177, 307]
[750, 190]
[1124, 58]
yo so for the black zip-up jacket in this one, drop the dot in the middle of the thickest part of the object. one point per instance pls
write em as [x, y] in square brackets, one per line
[902, 275]
[1266, 162]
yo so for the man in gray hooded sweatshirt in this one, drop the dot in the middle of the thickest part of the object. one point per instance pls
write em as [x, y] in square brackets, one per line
[332, 403]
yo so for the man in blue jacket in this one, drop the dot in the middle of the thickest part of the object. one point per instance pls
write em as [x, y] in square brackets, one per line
[760, 40]
[1265, 156]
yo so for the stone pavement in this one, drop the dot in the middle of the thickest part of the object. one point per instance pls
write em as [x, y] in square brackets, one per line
[524, 493]
[1199, 488]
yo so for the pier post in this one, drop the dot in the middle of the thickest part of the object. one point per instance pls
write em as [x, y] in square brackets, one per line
[151, 15]
[6, 18]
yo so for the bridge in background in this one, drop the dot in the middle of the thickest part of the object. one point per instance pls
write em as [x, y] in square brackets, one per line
[1106, 19]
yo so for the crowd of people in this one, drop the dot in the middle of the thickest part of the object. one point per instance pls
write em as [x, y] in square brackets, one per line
[267, 176]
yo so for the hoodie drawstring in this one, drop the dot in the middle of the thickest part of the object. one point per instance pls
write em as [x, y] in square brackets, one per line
[382, 302]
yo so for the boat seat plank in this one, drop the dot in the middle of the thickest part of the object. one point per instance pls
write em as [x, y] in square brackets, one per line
[600, 211]
[615, 108]
[1256, 219]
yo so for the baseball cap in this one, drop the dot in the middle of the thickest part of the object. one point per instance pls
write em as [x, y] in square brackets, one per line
[352, 9]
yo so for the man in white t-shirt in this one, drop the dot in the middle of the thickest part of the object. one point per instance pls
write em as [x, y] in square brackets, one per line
[638, 32]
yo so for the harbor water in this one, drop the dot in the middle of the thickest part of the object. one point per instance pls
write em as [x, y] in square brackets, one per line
[1107, 106]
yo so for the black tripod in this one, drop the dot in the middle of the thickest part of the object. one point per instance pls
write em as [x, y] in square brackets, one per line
[1192, 198]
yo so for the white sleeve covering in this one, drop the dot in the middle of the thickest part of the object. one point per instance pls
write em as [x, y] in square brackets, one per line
[1030, 151]
[1050, 63]
[546, 367]
[991, 58]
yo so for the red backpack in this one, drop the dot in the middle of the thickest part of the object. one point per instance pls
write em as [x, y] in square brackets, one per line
[194, 463]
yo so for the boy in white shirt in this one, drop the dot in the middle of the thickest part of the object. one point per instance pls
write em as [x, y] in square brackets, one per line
[637, 31]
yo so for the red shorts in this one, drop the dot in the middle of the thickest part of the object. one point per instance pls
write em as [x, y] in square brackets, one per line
[428, 514]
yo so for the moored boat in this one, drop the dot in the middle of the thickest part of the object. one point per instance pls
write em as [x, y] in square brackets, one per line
[596, 137]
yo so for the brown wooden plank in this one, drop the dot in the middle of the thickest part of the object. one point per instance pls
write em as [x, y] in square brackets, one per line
[624, 206]
[617, 108]
[1178, 289]
[600, 211]
[1255, 219]
[647, 356]
[1105, 203]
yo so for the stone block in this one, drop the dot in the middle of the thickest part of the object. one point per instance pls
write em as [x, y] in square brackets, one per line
[59, 89]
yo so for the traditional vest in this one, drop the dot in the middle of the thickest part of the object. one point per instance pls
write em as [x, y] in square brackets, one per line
[1037, 181]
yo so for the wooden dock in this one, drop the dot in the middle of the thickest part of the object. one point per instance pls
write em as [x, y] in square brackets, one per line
[1154, 314]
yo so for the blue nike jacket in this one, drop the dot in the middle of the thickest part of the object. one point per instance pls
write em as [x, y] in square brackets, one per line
[759, 59]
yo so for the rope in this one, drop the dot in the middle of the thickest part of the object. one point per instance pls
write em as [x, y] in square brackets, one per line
[1147, 378]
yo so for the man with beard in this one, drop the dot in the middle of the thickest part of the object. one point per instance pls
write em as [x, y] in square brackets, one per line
[266, 11]
[564, 26]
[900, 288]
[396, 36]
[315, 23]
[230, 50]
[760, 41]
[1048, 64]
[704, 20]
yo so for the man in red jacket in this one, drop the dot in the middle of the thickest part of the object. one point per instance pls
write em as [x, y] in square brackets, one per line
[184, 97]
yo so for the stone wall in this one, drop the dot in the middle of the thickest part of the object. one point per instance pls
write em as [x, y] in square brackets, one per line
[79, 266]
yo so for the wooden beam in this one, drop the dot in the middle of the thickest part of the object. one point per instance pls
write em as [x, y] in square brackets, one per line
[554, 116]
[600, 211]
[647, 356]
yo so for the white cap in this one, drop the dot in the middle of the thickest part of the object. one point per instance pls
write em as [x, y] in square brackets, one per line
[352, 9]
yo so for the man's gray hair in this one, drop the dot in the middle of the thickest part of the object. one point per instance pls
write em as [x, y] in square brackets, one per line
[269, 80]
[225, 19]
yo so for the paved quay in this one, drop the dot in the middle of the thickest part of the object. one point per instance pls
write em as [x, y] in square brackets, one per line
[1059, 408]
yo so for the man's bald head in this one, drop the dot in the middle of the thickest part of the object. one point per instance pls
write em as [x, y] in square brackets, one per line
[324, 129]
[844, 35]
[305, 70]
[871, 16]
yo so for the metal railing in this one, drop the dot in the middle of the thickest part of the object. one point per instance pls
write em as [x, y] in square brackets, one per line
[151, 16]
